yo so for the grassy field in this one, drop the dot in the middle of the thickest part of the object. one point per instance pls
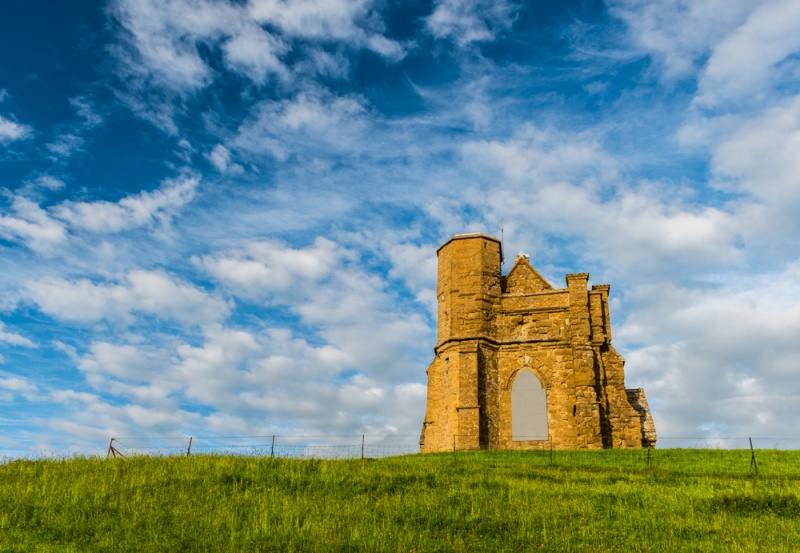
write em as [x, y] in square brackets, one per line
[482, 501]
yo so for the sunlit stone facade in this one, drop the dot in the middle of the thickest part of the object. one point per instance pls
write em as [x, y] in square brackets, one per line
[521, 365]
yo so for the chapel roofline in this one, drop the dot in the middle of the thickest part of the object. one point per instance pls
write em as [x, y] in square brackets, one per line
[523, 260]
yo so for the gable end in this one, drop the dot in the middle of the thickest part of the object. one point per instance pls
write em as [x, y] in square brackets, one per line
[524, 279]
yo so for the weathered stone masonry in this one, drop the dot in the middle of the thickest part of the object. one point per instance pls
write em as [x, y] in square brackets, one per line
[494, 328]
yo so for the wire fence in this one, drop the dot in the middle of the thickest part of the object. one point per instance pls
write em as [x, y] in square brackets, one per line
[776, 456]
[295, 447]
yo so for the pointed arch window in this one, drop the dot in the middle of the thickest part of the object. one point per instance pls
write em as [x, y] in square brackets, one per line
[528, 408]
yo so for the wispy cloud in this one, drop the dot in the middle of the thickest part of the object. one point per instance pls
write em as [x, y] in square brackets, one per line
[220, 157]
[700, 354]
[11, 131]
[773, 135]
[326, 288]
[13, 338]
[271, 269]
[317, 122]
[32, 225]
[146, 292]
[162, 43]
[746, 65]
[571, 186]
[66, 145]
[466, 21]
[15, 386]
[71, 139]
[48, 230]
[678, 34]
[143, 209]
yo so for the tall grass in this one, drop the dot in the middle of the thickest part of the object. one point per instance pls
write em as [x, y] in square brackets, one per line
[482, 501]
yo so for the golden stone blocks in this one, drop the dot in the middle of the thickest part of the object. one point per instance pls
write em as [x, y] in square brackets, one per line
[493, 327]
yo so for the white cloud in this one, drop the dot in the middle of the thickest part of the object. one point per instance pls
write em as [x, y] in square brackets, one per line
[312, 124]
[540, 156]
[220, 157]
[143, 209]
[157, 293]
[312, 18]
[325, 287]
[16, 386]
[137, 373]
[468, 21]
[13, 338]
[32, 225]
[722, 357]
[95, 420]
[387, 48]
[356, 314]
[214, 372]
[262, 269]
[72, 140]
[754, 159]
[162, 38]
[48, 182]
[11, 131]
[66, 145]
[416, 266]
[744, 65]
[282, 382]
[571, 187]
[253, 383]
[73, 301]
[255, 53]
[250, 381]
[680, 33]
[147, 292]
[761, 157]
[351, 21]
[327, 63]
[126, 362]
[160, 44]
[308, 112]
[67, 231]
[86, 111]
[157, 106]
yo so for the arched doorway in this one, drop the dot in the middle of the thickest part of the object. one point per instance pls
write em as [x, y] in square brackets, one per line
[528, 408]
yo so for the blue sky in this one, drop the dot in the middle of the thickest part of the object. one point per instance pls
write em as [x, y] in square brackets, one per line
[221, 217]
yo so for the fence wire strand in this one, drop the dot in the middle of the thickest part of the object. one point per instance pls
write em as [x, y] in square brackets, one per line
[687, 455]
[298, 447]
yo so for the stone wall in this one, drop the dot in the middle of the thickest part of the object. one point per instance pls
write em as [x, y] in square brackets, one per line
[491, 327]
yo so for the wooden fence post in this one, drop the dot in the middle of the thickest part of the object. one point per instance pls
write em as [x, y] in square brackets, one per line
[753, 463]
[113, 450]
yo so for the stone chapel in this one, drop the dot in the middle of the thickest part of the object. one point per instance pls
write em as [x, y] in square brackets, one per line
[522, 365]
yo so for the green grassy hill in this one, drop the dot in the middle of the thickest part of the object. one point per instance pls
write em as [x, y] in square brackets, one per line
[688, 500]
